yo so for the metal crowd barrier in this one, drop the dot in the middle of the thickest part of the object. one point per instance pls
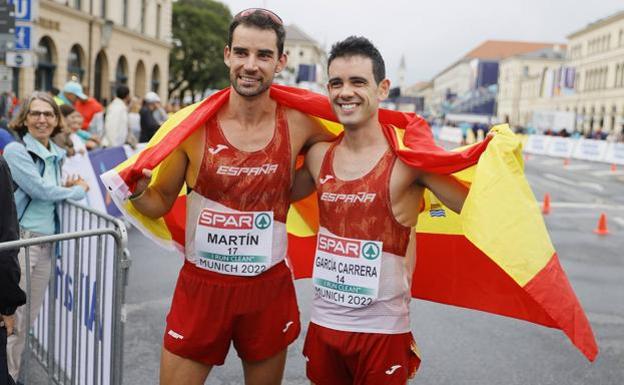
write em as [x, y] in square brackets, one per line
[78, 336]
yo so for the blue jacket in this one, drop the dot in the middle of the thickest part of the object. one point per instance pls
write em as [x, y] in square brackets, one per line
[35, 193]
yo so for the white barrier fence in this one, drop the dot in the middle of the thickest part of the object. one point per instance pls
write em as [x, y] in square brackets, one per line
[585, 149]
[581, 148]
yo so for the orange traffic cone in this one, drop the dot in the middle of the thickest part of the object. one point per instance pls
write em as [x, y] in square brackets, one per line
[566, 162]
[546, 205]
[602, 225]
[526, 157]
[613, 167]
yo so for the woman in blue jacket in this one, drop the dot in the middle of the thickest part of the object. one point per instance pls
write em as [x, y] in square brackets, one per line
[35, 164]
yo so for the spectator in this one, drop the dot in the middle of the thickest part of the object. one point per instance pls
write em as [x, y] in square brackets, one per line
[63, 140]
[160, 114]
[11, 295]
[599, 134]
[87, 106]
[5, 138]
[149, 124]
[116, 121]
[72, 92]
[134, 119]
[35, 163]
[82, 140]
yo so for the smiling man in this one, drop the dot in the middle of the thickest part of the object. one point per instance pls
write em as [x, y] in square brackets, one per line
[234, 286]
[365, 255]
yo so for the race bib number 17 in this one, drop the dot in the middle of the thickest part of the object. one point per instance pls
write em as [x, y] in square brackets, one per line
[238, 243]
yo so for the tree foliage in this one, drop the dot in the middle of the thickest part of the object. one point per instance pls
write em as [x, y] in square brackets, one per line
[200, 30]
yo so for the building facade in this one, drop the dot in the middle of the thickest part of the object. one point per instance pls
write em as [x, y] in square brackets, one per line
[588, 82]
[465, 86]
[102, 44]
[307, 61]
[519, 81]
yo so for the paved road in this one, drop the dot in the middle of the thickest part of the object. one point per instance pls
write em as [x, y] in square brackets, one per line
[459, 346]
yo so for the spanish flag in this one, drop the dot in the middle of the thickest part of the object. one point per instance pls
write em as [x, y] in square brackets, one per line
[495, 256]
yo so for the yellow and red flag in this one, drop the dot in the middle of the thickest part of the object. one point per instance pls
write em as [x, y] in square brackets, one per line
[496, 256]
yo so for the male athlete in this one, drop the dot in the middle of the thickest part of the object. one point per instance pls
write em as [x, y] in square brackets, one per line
[365, 256]
[234, 285]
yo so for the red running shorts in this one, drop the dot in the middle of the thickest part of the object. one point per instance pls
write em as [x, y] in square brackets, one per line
[337, 357]
[210, 310]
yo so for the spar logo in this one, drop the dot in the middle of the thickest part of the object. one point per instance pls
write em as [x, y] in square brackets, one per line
[370, 251]
[226, 220]
[263, 221]
[337, 246]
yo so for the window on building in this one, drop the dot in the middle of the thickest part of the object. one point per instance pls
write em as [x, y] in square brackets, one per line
[44, 73]
[74, 64]
[77, 4]
[155, 84]
[103, 8]
[143, 6]
[525, 71]
[158, 15]
[121, 72]
[125, 13]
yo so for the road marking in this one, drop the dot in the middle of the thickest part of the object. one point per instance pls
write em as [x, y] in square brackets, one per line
[578, 167]
[569, 182]
[607, 172]
[550, 161]
[583, 205]
[619, 221]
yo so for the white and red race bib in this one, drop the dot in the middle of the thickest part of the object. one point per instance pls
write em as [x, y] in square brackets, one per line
[346, 271]
[234, 243]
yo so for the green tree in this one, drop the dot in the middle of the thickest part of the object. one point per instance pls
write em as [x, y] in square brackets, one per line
[200, 30]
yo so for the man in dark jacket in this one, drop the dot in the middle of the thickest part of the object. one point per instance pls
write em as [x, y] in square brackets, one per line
[149, 124]
[11, 296]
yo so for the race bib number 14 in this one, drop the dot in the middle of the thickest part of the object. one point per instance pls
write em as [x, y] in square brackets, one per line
[346, 271]
[238, 243]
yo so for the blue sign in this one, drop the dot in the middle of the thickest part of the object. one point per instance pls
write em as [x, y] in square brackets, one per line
[22, 37]
[23, 9]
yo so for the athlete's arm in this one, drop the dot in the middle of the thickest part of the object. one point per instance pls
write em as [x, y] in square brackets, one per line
[157, 199]
[303, 184]
[306, 176]
[449, 190]
[307, 130]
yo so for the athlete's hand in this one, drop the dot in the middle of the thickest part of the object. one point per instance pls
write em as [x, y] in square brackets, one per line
[142, 183]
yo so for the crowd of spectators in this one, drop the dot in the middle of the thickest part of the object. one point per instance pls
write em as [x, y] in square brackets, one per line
[88, 124]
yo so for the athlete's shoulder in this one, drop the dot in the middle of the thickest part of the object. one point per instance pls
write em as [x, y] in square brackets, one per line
[404, 172]
[299, 119]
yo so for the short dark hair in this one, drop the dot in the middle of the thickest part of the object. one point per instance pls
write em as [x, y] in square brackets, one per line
[259, 19]
[66, 110]
[122, 92]
[359, 46]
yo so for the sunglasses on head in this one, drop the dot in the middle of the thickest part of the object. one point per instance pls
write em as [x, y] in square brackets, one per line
[265, 12]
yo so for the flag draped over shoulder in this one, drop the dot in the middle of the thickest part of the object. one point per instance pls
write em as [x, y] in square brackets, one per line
[496, 256]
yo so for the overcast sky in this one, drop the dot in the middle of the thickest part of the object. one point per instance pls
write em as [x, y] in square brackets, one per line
[433, 34]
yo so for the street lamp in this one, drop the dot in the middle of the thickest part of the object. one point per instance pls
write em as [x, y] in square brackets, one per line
[107, 33]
